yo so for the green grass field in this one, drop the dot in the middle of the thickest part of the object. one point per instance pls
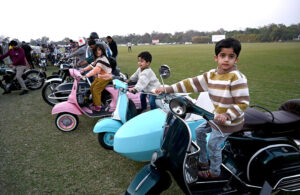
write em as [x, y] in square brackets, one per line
[36, 158]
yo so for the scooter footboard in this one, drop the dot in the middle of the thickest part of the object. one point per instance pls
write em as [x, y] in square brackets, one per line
[149, 181]
[107, 125]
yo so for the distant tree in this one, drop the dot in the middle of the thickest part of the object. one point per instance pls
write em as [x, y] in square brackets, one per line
[201, 39]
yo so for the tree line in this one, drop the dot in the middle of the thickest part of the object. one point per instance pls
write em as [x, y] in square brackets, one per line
[269, 33]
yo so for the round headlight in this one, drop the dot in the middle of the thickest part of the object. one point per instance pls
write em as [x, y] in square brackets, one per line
[177, 107]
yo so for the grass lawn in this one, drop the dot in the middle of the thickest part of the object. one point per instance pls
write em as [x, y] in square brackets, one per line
[36, 158]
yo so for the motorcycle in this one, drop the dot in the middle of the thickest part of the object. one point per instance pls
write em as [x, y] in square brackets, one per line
[33, 79]
[78, 104]
[59, 85]
[43, 64]
[125, 110]
[261, 158]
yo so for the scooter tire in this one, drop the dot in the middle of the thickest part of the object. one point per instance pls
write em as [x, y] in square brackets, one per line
[106, 140]
[66, 122]
[45, 95]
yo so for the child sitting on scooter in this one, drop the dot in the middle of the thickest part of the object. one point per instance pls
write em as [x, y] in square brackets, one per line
[228, 91]
[99, 67]
[146, 80]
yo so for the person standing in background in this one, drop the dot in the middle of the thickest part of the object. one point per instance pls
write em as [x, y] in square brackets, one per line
[113, 47]
[27, 49]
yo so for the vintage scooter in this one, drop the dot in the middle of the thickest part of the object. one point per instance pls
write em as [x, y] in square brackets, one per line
[139, 137]
[125, 110]
[262, 164]
[78, 104]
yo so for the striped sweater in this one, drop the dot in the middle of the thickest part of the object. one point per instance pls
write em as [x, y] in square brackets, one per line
[228, 91]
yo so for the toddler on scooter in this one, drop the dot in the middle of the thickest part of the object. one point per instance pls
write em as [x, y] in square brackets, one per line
[146, 80]
[99, 67]
[228, 91]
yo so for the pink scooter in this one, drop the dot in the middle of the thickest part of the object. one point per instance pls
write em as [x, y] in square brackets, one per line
[79, 100]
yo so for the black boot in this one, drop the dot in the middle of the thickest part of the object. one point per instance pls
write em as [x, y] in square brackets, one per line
[24, 92]
[6, 92]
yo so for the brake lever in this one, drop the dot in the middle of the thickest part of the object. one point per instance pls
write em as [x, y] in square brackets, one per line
[215, 125]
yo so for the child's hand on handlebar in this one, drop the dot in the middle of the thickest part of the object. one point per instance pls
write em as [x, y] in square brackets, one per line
[83, 77]
[132, 90]
[159, 90]
[221, 118]
[81, 71]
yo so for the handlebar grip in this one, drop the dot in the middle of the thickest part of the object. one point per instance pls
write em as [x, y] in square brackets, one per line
[227, 123]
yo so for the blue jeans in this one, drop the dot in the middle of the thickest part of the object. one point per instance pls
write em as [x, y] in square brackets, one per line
[215, 144]
[152, 103]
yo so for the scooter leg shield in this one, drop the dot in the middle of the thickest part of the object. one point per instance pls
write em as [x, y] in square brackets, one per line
[107, 125]
[149, 181]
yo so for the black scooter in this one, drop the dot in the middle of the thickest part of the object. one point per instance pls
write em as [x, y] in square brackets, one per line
[262, 158]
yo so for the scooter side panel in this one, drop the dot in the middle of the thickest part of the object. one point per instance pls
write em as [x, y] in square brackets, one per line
[138, 138]
[136, 99]
[114, 94]
[66, 107]
[107, 125]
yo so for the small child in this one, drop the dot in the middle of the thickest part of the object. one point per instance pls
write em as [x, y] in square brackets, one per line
[228, 91]
[99, 67]
[146, 80]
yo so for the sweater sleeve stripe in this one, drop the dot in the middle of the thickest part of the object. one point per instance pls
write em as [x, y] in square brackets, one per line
[239, 86]
[178, 87]
[188, 86]
[197, 84]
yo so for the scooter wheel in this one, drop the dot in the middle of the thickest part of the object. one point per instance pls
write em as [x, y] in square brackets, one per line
[66, 122]
[106, 140]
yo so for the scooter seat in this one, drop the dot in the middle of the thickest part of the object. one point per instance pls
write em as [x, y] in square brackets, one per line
[285, 121]
[283, 117]
[255, 117]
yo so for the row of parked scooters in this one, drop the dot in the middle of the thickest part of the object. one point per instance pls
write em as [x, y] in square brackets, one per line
[262, 158]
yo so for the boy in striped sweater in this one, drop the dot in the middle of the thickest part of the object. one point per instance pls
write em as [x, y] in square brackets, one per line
[228, 91]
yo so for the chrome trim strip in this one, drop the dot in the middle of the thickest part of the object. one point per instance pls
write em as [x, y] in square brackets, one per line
[246, 184]
[142, 182]
[261, 150]
[287, 178]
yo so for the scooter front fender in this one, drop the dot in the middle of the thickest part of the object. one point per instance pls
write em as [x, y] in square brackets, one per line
[149, 181]
[107, 125]
[53, 79]
[66, 107]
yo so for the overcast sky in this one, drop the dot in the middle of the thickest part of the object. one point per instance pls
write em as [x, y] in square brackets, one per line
[57, 19]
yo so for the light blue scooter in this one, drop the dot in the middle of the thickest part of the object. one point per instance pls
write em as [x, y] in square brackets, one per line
[125, 110]
[138, 138]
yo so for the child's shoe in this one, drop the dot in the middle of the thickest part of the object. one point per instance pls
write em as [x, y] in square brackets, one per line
[203, 166]
[96, 108]
[207, 175]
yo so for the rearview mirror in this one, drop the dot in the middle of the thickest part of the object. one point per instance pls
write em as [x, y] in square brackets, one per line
[164, 71]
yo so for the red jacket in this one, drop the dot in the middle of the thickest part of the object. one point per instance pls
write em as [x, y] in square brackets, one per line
[17, 56]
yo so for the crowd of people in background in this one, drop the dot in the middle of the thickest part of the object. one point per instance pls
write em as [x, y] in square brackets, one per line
[21, 55]
[79, 49]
